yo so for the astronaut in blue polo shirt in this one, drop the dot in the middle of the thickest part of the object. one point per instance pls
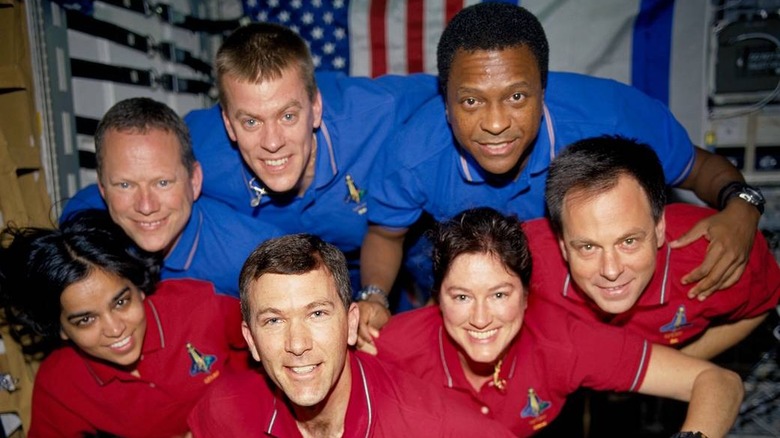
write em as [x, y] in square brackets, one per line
[149, 181]
[502, 120]
[297, 150]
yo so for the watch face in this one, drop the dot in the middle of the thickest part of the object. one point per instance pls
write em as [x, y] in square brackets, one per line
[749, 198]
[755, 194]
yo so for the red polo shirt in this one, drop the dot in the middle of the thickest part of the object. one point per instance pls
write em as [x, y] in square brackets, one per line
[384, 402]
[663, 314]
[193, 336]
[552, 356]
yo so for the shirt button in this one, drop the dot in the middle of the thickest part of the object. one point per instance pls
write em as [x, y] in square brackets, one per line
[485, 410]
[152, 385]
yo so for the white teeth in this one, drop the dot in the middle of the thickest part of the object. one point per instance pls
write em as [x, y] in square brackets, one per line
[149, 224]
[278, 162]
[121, 343]
[303, 370]
[482, 335]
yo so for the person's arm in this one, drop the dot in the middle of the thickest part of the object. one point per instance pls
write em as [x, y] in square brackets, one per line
[730, 232]
[720, 338]
[380, 260]
[714, 394]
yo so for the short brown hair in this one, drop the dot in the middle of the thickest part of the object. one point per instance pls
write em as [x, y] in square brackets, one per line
[294, 254]
[260, 52]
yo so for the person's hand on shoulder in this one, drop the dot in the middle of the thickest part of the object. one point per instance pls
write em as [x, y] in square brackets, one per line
[730, 234]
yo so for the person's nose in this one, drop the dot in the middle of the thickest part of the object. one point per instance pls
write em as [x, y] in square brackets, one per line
[481, 316]
[298, 339]
[272, 137]
[496, 119]
[611, 265]
[113, 326]
[146, 201]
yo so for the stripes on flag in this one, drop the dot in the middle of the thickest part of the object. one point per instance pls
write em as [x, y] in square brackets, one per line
[376, 37]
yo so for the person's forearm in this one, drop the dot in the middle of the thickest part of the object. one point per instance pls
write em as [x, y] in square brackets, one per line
[720, 338]
[710, 173]
[714, 404]
[380, 257]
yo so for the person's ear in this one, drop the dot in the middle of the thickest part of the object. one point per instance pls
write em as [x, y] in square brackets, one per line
[250, 340]
[660, 230]
[229, 127]
[564, 251]
[196, 180]
[316, 108]
[353, 319]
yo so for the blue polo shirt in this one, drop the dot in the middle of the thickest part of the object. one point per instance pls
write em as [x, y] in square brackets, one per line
[359, 116]
[213, 246]
[428, 171]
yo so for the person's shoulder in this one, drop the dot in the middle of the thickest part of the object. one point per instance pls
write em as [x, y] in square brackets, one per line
[344, 97]
[538, 230]
[558, 82]
[87, 198]
[57, 359]
[184, 291]
[406, 404]
[583, 96]
[422, 325]
[236, 404]
[232, 385]
[422, 321]
[425, 137]
[59, 369]
[197, 117]
[680, 217]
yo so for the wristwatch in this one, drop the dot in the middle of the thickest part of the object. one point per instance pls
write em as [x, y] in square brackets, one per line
[751, 195]
[365, 293]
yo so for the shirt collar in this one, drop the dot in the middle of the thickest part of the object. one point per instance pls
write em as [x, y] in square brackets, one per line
[327, 167]
[181, 255]
[360, 415]
[454, 377]
[154, 339]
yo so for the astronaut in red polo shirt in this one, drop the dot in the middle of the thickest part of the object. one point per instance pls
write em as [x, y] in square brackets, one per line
[125, 355]
[300, 323]
[514, 358]
[606, 200]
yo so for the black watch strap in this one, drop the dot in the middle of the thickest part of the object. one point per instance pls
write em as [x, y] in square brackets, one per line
[751, 195]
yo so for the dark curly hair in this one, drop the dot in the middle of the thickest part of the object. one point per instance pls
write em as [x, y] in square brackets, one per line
[38, 264]
[594, 165]
[480, 230]
[492, 26]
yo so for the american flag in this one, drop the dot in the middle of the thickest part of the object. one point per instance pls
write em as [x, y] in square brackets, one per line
[364, 37]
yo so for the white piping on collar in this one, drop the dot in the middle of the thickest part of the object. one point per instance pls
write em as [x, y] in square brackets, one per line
[194, 247]
[368, 397]
[273, 419]
[159, 324]
[645, 353]
[333, 167]
[443, 360]
[666, 272]
[550, 130]
[566, 283]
